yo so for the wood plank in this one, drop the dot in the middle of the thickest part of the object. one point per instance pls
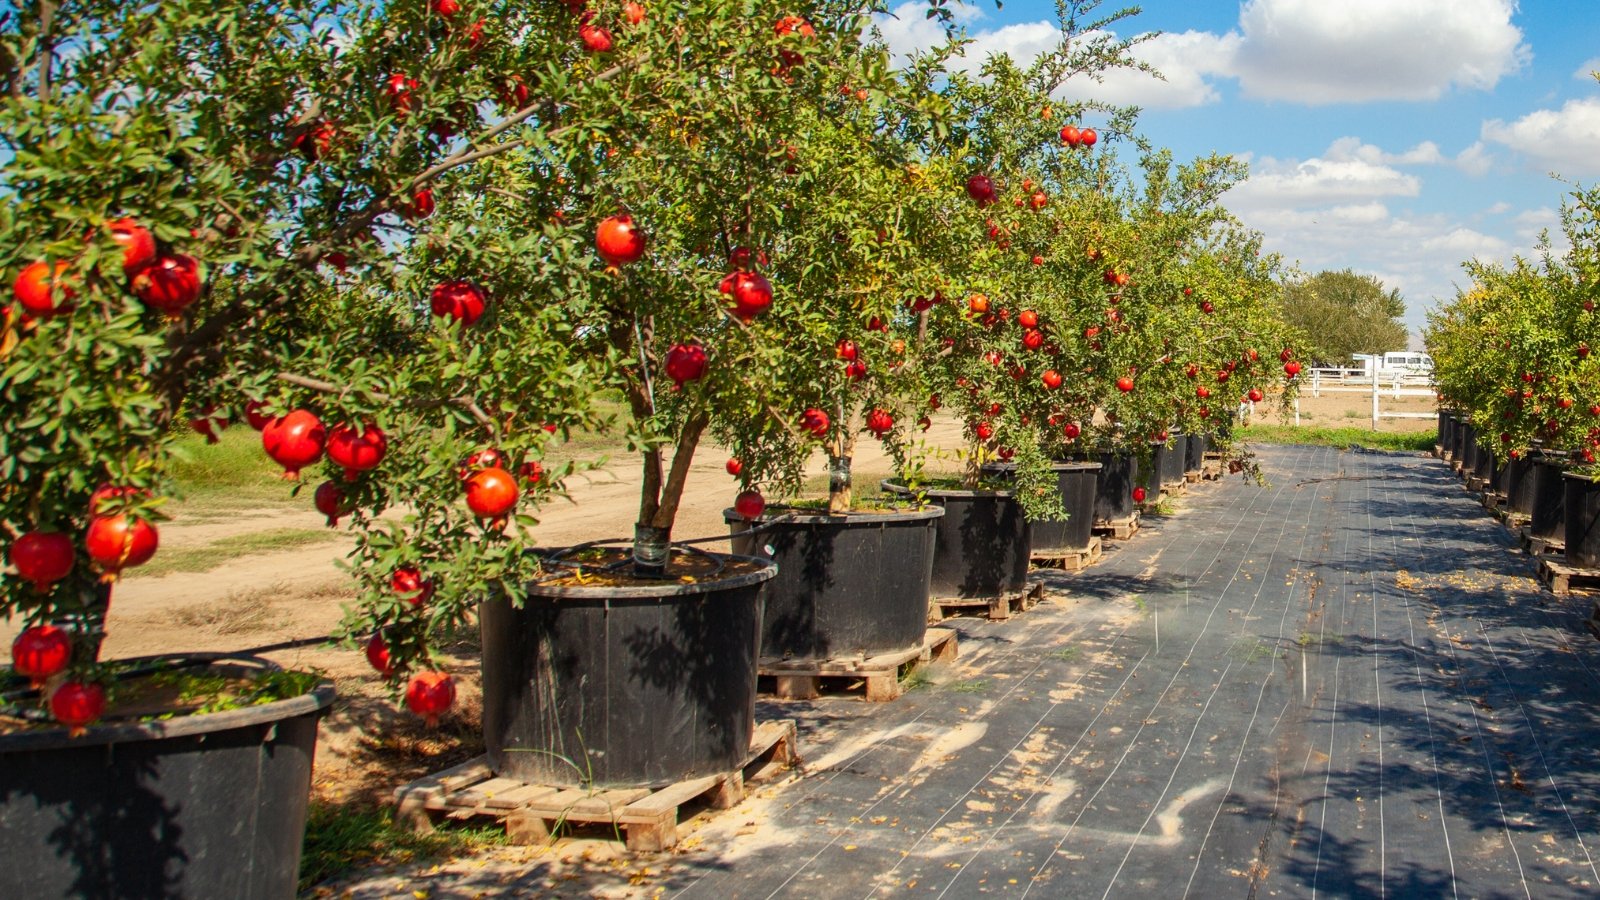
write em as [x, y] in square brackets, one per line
[481, 793]
[519, 797]
[672, 796]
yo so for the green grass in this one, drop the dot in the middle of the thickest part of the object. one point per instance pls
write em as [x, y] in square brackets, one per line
[975, 686]
[339, 838]
[1339, 437]
[214, 554]
[230, 474]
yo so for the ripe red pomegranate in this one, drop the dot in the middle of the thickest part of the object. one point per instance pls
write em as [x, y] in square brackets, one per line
[934, 402]
[1071, 430]
[209, 424]
[685, 362]
[633, 12]
[1138, 495]
[855, 371]
[110, 498]
[313, 141]
[1051, 379]
[1202, 392]
[401, 91]
[38, 287]
[120, 541]
[595, 38]
[1286, 355]
[1291, 368]
[378, 655]
[1038, 200]
[1087, 137]
[751, 293]
[329, 500]
[294, 441]
[446, 8]
[513, 92]
[879, 422]
[876, 324]
[530, 472]
[925, 423]
[76, 704]
[420, 207]
[793, 25]
[255, 413]
[1223, 375]
[491, 493]
[487, 458]
[1125, 384]
[430, 695]
[461, 300]
[409, 585]
[981, 189]
[138, 245]
[734, 466]
[42, 557]
[169, 285]
[749, 505]
[847, 350]
[984, 431]
[815, 421]
[1033, 339]
[1070, 135]
[1037, 260]
[619, 241]
[357, 451]
[1255, 395]
[1028, 319]
[1207, 307]
[41, 652]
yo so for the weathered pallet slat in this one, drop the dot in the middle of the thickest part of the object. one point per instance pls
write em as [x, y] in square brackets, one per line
[997, 608]
[804, 679]
[1070, 560]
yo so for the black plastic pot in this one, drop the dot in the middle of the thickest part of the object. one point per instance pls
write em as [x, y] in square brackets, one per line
[1485, 466]
[1458, 439]
[1170, 459]
[846, 584]
[981, 544]
[623, 686]
[1547, 515]
[1469, 452]
[1113, 493]
[1077, 483]
[209, 805]
[1194, 454]
[1516, 486]
[1582, 520]
[1446, 418]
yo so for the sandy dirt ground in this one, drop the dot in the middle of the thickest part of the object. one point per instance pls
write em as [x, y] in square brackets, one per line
[367, 748]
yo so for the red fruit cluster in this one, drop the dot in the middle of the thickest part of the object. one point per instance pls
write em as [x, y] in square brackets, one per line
[1073, 136]
[460, 300]
[166, 282]
[430, 695]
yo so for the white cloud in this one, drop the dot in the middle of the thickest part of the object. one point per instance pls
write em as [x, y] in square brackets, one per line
[1305, 51]
[1340, 175]
[1315, 52]
[1565, 139]
[1585, 71]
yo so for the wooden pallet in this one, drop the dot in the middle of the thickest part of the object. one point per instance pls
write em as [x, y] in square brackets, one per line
[997, 608]
[1070, 560]
[1118, 529]
[1491, 500]
[1478, 485]
[1439, 452]
[1174, 489]
[1534, 546]
[1561, 578]
[803, 679]
[1513, 520]
[647, 818]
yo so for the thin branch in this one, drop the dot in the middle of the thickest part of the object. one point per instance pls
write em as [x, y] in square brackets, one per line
[469, 404]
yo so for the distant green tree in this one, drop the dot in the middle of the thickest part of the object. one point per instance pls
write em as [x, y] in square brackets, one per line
[1343, 314]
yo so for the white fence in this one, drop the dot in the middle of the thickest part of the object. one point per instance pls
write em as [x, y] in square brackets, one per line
[1357, 381]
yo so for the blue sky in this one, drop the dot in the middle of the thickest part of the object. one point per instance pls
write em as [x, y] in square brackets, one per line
[1394, 137]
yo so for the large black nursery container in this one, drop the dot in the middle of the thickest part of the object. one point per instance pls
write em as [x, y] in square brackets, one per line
[624, 686]
[1458, 440]
[1515, 484]
[1582, 520]
[1119, 475]
[1194, 453]
[1485, 466]
[846, 584]
[1446, 422]
[209, 805]
[1077, 483]
[981, 544]
[1547, 517]
[1469, 453]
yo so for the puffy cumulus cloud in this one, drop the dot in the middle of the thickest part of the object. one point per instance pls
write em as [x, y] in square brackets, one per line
[1332, 179]
[1185, 61]
[1562, 139]
[1316, 52]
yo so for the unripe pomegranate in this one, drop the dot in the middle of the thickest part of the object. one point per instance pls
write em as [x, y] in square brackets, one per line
[815, 421]
[42, 557]
[138, 245]
[76, 704]
[409, 585]
[169, 285]
[491, 493]
[685, 362]
[378, 655]
[459, 299]
[734, 466]
[618, 241]
[751, 293]
[430, 695]
[38, 288]
[749, 505]
[329, 500]
[120, 541]
[879, 422]
[294, 441]
[357, 451]
[41, 652]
